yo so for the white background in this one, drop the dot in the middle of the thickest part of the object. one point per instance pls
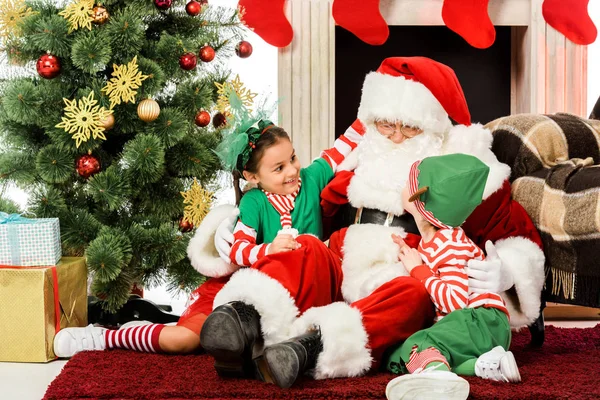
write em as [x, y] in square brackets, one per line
[259, 74]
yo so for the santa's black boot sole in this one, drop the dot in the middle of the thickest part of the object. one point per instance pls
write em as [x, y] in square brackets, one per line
[281, 364]
[223, 337]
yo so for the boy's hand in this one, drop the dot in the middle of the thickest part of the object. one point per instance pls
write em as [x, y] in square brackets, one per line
[283, 243]
[409, 257]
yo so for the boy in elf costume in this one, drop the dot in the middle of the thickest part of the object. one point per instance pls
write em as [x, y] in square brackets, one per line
[472, 329]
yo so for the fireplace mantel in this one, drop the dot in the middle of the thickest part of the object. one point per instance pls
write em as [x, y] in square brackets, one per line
[549, 73]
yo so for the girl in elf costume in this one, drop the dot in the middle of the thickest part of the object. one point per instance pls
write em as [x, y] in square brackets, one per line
[472, 331]
[287, 203]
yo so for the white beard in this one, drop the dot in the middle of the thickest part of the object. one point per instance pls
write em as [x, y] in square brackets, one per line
[383, 168]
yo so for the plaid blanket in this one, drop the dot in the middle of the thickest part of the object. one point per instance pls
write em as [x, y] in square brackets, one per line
[555, 177]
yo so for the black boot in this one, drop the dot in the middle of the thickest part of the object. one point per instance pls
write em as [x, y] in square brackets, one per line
[283, 363]
[232, 335]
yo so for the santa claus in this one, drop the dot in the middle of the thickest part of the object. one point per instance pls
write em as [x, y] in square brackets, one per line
[404, 110]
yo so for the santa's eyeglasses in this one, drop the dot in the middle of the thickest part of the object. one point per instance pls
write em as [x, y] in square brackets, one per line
[388, 129]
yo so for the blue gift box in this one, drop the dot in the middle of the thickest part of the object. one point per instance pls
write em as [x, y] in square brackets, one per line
[26, 242]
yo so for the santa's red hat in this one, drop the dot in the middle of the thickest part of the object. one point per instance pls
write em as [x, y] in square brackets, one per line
[418, 91]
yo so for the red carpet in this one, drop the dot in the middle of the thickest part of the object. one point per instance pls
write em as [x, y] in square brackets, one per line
[567, 366]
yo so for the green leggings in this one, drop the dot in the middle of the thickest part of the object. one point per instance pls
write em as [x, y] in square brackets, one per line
[461, 336]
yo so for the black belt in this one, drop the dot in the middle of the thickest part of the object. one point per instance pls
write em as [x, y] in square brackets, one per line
[373, 216]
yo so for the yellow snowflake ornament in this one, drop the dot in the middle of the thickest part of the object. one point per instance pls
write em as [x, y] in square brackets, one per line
[245, 95]
[84, 118]
[121, 87]
[198, 202]
[80, 14]
[11, 12]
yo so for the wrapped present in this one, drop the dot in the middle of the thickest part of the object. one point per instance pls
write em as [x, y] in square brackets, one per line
[29, 242]
[35, 303]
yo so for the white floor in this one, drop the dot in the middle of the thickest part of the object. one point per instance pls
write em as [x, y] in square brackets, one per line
[23, 381]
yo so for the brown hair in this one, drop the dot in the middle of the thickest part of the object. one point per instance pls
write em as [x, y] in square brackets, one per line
[271, 136]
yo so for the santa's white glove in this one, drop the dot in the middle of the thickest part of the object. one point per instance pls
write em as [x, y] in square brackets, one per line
[224, 235]
[489, 275]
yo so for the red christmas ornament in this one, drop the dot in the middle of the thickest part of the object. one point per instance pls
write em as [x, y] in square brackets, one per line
[185, 226]
[48, 66]
[243, 49]
[207, 53]
[202, 119]
[219, 120]
[87, 165]
[163, 4]
[193, 8]
[188, 61]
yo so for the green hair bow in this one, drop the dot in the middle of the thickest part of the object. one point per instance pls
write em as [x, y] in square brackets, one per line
[240, 137]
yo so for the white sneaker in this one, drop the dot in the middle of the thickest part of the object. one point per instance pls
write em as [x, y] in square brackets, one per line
[498, 365]
[70, 341]
[428, 384]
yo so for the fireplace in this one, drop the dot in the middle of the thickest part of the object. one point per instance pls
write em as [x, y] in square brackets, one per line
[484, 74]
[319, 77]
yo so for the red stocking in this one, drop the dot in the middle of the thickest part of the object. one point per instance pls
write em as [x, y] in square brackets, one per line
[267, 19]
[469, 18]
[571, 19]
[362, 18]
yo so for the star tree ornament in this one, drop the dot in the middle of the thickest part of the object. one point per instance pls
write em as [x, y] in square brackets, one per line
[11, 13]
[197, 202]
[84, 118]
[80, 14]
[122, 86]
[246, 97]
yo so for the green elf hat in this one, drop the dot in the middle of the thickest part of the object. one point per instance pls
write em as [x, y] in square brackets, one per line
[446, 189]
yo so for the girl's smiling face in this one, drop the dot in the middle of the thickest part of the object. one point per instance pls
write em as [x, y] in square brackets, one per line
[278, 169]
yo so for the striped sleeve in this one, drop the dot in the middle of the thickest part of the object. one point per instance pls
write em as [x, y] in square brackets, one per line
[449, 288]
[344, 145]
[245, 251]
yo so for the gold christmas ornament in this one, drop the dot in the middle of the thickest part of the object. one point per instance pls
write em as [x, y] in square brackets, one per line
[79, 14]
[11, 13]
[109, 122]
[122, 86]
[148, 110]
[197, 203]
[245, 95]
[100, 15]
[84, 118]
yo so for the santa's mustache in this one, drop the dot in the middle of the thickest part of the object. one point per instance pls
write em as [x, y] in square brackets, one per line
[426, 143]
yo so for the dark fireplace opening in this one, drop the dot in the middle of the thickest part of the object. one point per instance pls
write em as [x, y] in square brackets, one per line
[485, 75]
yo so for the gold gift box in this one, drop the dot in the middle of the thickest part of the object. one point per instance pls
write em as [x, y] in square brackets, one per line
[27, 307]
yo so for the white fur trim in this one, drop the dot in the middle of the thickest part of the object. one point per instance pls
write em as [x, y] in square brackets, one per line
[370, 259]
[525, 261]
[345, 352]
[273, 302]
[201, 249]
[476, 140]
[288, 231]
[395, 98]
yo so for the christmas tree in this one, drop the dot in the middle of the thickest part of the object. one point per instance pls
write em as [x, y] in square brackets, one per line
[112, 134]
